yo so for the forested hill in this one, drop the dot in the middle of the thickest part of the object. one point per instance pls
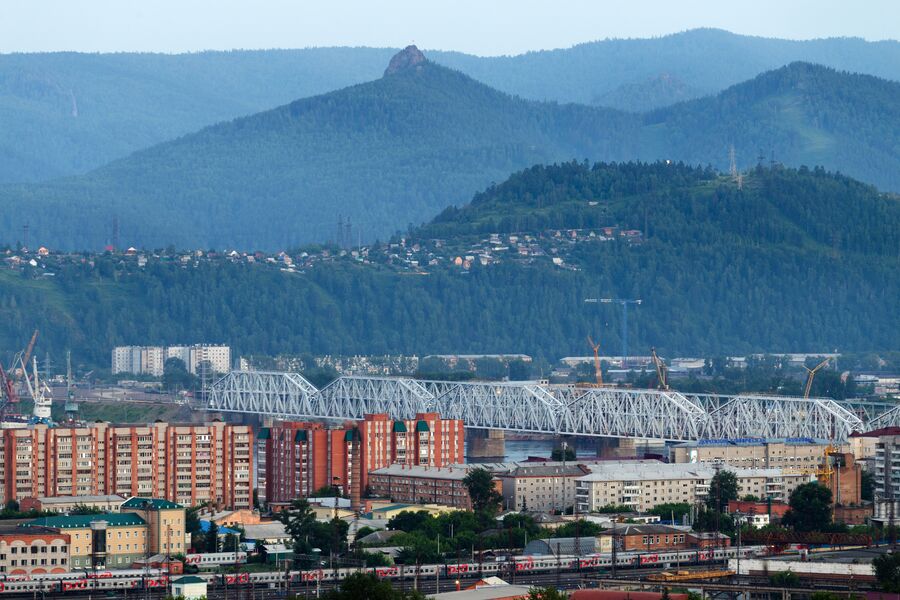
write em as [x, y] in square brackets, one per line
[795, 260]
[66, 113]
[386, 153]
[398, 150]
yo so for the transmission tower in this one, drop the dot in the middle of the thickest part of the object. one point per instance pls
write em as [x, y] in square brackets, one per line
[732, 168]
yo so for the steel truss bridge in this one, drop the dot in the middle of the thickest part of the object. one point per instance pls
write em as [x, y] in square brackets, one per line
[536, 407]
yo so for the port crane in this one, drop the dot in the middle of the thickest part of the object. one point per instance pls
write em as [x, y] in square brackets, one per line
[598, 372]
[624, 302]
[811, 374]
[662, 372]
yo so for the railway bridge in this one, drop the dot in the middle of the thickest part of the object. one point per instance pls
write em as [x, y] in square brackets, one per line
[538, 407]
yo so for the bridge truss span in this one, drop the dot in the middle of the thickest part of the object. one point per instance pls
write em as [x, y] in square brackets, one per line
[536, 407]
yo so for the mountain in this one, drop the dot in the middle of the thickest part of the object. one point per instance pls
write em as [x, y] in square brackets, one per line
[67, 113]
[705, 60]
[386, 153]
[647, 95]
[793, 260]
[396, 151]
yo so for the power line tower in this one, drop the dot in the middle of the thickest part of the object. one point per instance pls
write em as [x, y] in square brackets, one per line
[624, 302]
[732, 163]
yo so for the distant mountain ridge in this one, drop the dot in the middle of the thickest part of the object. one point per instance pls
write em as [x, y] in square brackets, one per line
[68, 113]
[398, 150]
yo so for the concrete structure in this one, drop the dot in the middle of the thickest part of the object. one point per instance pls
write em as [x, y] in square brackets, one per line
[165, 524]
[139, 360]
[124, 539]
[218, 357]
[27, 550]
[189, 587]
[755, 453]
[424, 485]
[65, 504]
[845, 482]
[887, 477]
[294, 459]
[541, 486]
[773, 511]
[187, 464]
[644, 485]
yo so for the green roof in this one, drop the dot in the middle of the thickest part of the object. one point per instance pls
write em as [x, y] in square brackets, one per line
[84, 521]
[264, 434]
[422, 426]
[189, 579]
[151, 503]
[399, 427]
[301, 436]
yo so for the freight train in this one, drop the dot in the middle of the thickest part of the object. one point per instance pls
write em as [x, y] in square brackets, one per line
[124, 579]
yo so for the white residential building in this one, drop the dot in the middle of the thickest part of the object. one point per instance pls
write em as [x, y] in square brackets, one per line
[140, 360]
[887, 476]
[150, 360]
[642, 486]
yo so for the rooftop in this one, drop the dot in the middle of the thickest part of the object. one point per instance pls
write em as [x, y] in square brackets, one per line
[149, 503]
[51, 500]
[84, 521]
[458, 472]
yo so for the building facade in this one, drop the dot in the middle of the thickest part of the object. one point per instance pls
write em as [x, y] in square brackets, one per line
[150, 360]
[139, 360]
[424, 485]
[754, 453]
[65, 504]
[165, 521]
[294, 459]
[642, 486]
[187, 464]
[123, 539]
[887, 477]
[27, 550]
[541, 487]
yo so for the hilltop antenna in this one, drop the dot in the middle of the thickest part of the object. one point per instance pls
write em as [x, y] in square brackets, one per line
[340, 232]
[25, 236]
[115, 232]
[732, 168]
[348, 236]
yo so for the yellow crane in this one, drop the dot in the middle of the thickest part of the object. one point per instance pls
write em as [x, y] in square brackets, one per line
[662, 373]
[598, 373]
[811, 374]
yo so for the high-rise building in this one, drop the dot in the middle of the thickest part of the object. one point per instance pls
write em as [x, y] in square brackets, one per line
[294, 459]
[887, 477]
[139, 360]
[187, 464]
[150, 360]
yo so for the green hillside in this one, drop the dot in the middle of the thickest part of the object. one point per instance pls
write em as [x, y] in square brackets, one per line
[67, 113]
[794, 261]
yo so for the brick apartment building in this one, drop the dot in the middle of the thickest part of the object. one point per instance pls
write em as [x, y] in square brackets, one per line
[187, 464]
[294, 459]
[424, 485]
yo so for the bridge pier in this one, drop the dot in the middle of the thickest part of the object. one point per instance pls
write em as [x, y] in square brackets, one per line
[485, 445]
[617, 447]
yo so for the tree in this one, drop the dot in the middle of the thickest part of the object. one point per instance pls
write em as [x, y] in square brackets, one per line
[176, 376]
[546, 593]
[867, 491]
[784, 579]
[83, 509]
[559, 454]
[299, 523]
[484, 495]
[365, 586]
[212, 537]
[671, 510]
[810, 508]
[722, 489]
[887, 571]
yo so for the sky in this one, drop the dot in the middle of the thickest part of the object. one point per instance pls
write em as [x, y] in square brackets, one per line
[483, 27]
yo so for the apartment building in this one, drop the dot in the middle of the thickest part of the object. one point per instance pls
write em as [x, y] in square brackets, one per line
[150, 360]
[294, 459]
[187, 464]
[887, 477]
[28, 550]
[642, 486]
[540, 486]
[140, 360]
[424, 485]
[754, 453]
[65, 504]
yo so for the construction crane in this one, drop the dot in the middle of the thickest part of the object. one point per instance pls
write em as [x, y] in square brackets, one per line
[662, 373]
[624, 303]
[25, 355]
[811, 374]
[598, 373]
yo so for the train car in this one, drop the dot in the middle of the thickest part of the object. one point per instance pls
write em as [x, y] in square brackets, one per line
[215, 559]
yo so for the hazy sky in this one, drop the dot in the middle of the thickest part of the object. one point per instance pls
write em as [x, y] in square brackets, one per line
[475, 26]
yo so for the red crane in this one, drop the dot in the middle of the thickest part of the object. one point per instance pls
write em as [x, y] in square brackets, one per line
[9, 391]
